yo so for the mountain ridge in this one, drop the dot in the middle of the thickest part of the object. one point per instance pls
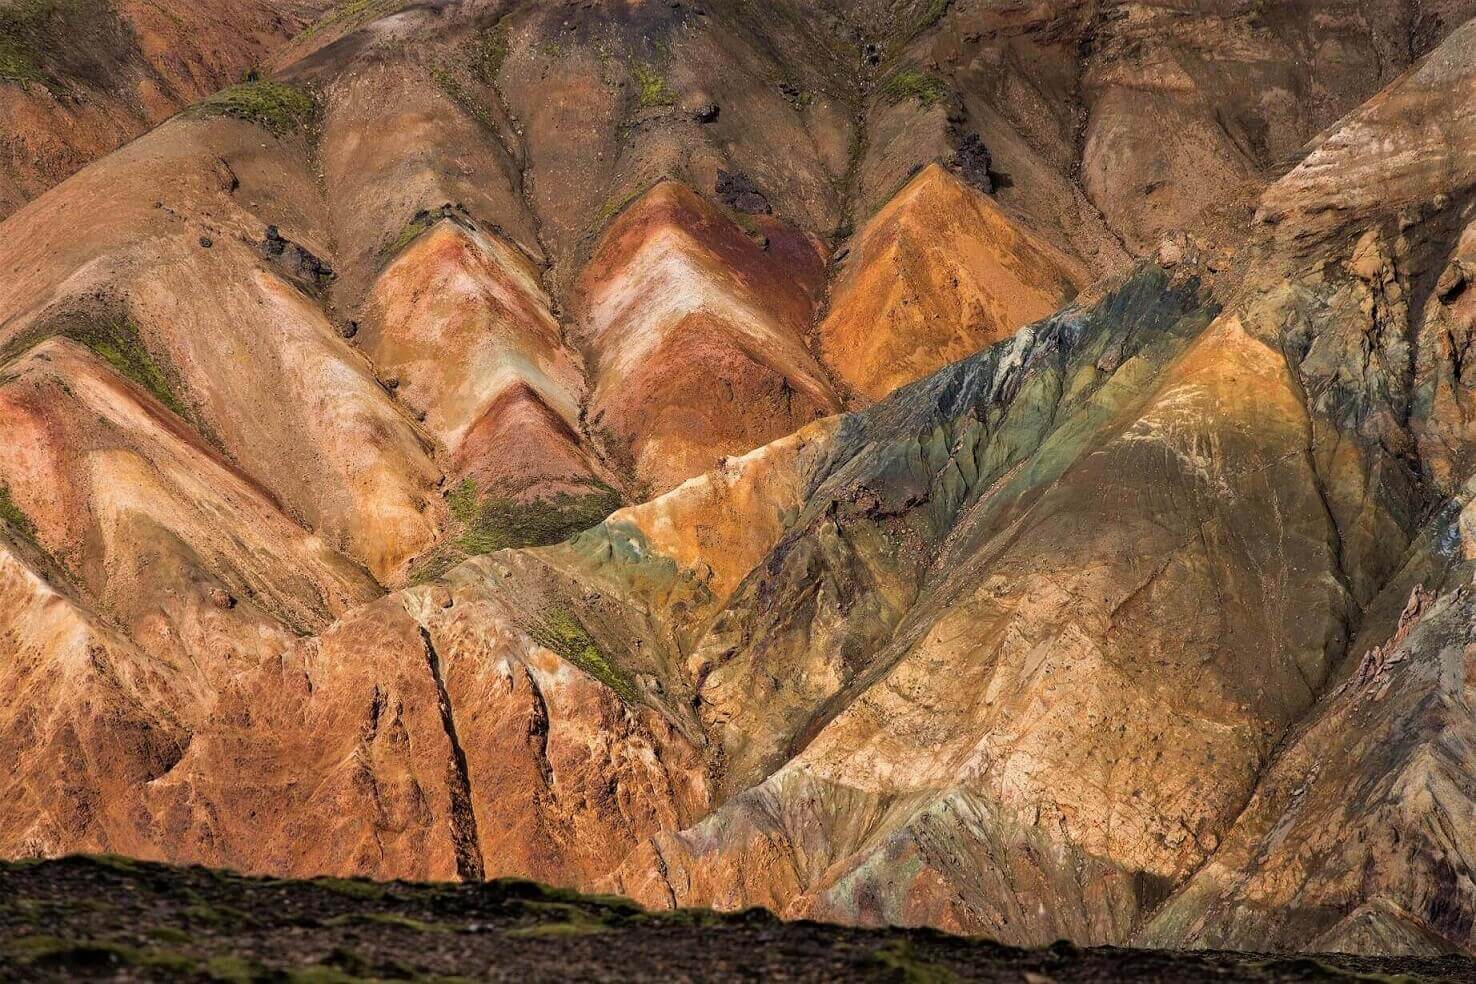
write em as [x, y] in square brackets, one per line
[633, 446]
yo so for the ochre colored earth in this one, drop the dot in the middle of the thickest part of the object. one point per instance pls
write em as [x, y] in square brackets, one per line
[1003, 468]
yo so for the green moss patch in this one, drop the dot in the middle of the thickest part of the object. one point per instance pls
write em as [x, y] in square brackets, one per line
[910, 83]
[276, 106]
[561, 632]
[87, 958]
[547, 930]
[354, 888]
[651, 87]
[931, 13]
[491, 523]
[405, 237]
[486, 53]
[29, 29]
[343, 14]
[902, 963]
[390, 919]
[462, 96]
[614, 205]
[13, 517]
[486, 524]
[117, 343]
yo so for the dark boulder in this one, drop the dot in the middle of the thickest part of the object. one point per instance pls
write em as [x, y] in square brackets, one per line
[737, 192]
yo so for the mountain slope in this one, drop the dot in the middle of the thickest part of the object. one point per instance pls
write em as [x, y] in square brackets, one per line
[77, 79]
[871, 461]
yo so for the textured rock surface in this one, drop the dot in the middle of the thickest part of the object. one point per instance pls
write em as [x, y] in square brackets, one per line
[644, 447]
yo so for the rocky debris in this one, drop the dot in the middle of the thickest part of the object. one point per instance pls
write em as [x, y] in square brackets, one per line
[700, 107]
[1453, 281]
[737, 192]
[972, 162]
[1379, 659]
[299, 263]
[454, 211]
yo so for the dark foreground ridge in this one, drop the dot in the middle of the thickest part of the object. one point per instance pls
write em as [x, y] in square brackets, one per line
[113, 918]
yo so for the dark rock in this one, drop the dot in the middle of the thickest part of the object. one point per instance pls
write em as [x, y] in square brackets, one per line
[298, 262]
[1452, 283]
[706, 113]
[348, 329]
[737, 192]
[972, 162]
[207, 242]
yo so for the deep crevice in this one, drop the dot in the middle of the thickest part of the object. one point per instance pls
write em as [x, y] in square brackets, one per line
[465, 840]
[538, 730]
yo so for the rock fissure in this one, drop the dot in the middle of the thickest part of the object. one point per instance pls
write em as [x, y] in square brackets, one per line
[464, 835]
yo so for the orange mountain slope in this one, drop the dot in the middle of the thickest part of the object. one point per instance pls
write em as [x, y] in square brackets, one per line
[994, 467]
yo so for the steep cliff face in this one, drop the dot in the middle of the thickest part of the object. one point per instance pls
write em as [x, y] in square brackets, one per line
[1000, 468]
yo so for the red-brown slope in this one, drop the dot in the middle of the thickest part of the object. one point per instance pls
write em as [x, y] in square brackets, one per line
[696, 335]
[460, 321]
[81, 78]
[936, 275]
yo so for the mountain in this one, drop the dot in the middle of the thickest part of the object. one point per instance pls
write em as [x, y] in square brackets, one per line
[993, 467]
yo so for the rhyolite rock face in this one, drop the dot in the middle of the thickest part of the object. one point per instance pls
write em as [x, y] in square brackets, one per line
[995, 467]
